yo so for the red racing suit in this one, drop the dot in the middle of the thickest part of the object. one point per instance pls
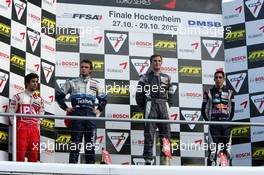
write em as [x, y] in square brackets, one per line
[27, 128]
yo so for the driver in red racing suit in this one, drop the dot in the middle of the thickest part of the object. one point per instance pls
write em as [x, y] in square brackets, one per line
[27, 102]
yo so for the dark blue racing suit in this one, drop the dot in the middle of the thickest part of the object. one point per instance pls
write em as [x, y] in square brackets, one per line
[84, 92]
[218, 105]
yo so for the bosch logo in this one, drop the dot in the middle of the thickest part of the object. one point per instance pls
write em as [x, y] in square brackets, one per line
[204, 23]
[18, 87]
[34, 17]
[242, 155]
[3, 55]
[169, 69]
[258, 79]
[143, 43]
[192, 94]
[69, 63]
[238, 58]
[47, 47]
[120, 115]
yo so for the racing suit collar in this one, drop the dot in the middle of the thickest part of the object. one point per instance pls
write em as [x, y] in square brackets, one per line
[219, 89]
[85, 79]
[30, 93]
[155, 73]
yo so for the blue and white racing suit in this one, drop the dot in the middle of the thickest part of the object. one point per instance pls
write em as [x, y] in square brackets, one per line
[83, 94]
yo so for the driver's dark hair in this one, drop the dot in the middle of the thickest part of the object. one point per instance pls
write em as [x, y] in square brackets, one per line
[29, 77]
[219, 72]
[88, 62]
[154, 56]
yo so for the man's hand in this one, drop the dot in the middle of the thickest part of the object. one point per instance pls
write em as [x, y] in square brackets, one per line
[69, 111]
[97, 112]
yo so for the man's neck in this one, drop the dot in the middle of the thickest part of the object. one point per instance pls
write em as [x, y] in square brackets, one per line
[29, 91]
[85, 76]
[156, 71]
[219, 87]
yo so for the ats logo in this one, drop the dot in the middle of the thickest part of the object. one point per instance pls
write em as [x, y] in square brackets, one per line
[46, 123]
[240, 131]
[18, 61]
[190, 71]
[254, 6]
[3, 137]
[48, 23]
[140, 65]
[236, 80]
[161, 45]
[48, 70]
[116, 40]
[257, 55]
[258, 101]
[98, 65]
[3, 81]
[20, 8]
[235, 35]
[118, 139]
[212, 46]
[137, 115]
[258, 154]
[68, 39]
[191, 116]
[63, 138]
[5, 29]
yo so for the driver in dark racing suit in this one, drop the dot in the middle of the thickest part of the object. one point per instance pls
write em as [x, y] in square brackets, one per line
[84, 91]
[218, 105]
[154, 95]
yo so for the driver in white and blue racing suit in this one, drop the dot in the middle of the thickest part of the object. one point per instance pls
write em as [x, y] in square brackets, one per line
[83, 93]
